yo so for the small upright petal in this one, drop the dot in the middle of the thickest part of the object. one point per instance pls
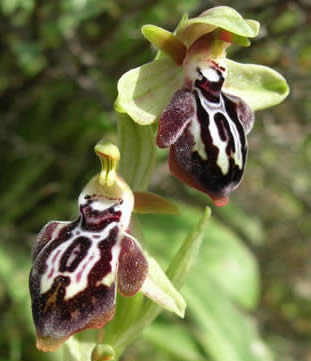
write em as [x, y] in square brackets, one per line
[175, 118]
[165, 41]
[133, 267]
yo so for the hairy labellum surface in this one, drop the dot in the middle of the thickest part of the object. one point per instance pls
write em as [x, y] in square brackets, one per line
[206, 131]
[77, 267]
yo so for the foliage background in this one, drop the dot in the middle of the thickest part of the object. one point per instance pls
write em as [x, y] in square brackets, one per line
[60, 62]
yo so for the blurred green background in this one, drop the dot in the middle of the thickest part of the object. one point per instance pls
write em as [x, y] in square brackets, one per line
[249, 294]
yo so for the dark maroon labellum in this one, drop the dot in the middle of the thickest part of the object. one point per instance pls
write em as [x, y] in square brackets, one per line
[206, 132]
[78, 266]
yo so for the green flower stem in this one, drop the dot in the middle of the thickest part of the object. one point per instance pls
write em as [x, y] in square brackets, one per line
[137, 148]
[128, 309]
[136, 144]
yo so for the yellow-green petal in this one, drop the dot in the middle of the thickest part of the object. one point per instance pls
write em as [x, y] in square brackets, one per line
[222, 17]
[145, 91]
[165, 41]
[254, 25]
[259, 86]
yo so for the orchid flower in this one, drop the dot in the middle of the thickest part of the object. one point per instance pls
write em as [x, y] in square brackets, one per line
[204, 102]
[78, 266]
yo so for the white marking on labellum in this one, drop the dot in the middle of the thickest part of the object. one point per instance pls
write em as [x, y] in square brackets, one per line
[107, 280]
[237, 155]
[97, 205]
[222, 158]
[78, 277]
[212, 108]
[195, 129]
[73, 256]
[211, 74]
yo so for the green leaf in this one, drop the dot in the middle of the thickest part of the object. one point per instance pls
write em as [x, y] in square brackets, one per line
[222, 17]
[137, 149]
[188, 252]
[225, 260]
[225, 333]
[222, 258]
[144, 92]
[175, 340]
[259, 86]
[249, 226]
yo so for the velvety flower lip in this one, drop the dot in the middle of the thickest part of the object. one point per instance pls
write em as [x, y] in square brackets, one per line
[204, 102]
[206, 128]
[79, 266]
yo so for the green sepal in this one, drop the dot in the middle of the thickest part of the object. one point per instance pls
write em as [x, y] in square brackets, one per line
[222, 17]
[145, 91]
[259, 86]
[165, 41]
[160, 289]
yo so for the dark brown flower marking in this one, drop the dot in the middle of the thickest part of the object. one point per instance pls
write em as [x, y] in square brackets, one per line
[206, 131]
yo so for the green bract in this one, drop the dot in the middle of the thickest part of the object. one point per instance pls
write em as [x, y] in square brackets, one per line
[144, 92]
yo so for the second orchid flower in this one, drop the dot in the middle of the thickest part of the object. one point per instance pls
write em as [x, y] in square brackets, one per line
[204, 102]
